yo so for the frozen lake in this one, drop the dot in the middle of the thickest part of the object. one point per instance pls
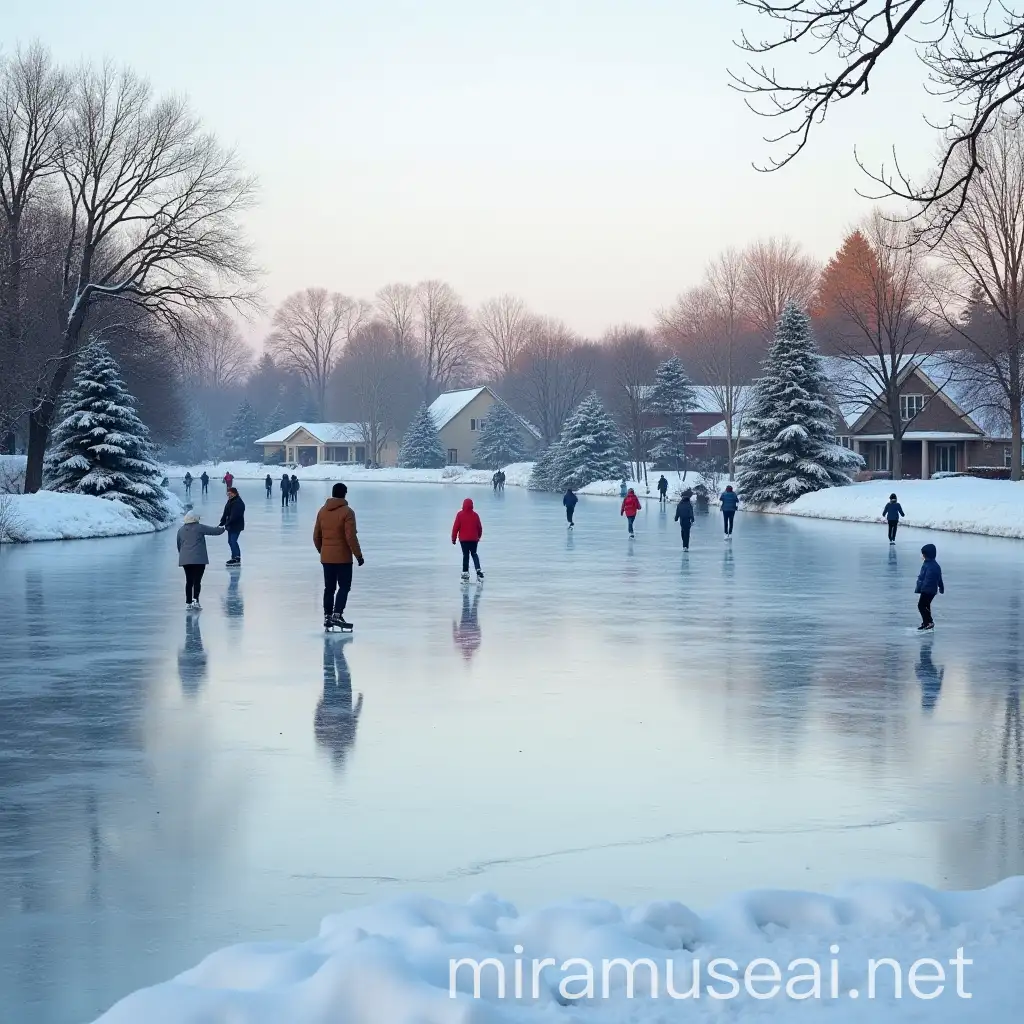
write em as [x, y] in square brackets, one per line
[603, 718]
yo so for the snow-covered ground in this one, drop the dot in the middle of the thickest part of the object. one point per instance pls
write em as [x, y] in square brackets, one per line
[48, 515]
[768, 955]
[517, 475]
[961, 504]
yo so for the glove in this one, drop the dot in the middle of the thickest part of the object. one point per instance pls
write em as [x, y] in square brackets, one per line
[361, 561]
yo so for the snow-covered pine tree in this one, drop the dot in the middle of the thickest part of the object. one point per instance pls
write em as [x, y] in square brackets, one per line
[421, 445]
[542, 477]
[501, 439]
[101, 447]
[672, 399]
[791, 422]
[241, 432]
[590, 448]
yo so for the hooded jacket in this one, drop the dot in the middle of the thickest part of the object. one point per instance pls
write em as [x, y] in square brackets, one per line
[467, 525]
[892, 511]
[334, 533]
[570, 500]
[730, 501]
[192, 542]
[929, 579]
[630, 504]
[684, 511]
[662, 484]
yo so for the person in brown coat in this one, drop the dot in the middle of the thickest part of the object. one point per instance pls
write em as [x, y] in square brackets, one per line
[334, 536]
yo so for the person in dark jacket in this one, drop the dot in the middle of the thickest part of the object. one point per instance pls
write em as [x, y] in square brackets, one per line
[269, 484]
[495, 479]
[205, 481]
[293, 490]
[233, 520]
[469, 531]
[193, 556]
[730, 502]
[685, 517]
[569, 501]
[891, 514]
[662, 489]
[929, 583]
[286, 488]
[187, 481]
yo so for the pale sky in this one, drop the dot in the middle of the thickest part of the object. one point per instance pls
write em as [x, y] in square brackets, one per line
[585, 154]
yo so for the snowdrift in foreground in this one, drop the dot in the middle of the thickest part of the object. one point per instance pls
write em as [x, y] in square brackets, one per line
[49, 515]
[516, 475]
[961, 504]
[392, 963]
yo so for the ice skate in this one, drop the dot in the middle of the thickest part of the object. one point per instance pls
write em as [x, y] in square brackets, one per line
[196, 606]
[465, 577]
[339, 623]
[480, 575]
[925, 626]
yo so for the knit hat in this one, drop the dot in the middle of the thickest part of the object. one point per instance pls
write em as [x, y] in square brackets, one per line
[191, 517]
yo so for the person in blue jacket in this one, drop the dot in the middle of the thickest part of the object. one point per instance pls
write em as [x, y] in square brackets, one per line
[730, 502]
[569, 501]
[684, 517]
[622, 488]
[929, 583]
[891, 514]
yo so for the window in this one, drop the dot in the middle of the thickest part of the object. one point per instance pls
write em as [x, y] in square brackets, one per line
[1007, 460]
[475, 424]
[945, 458]
[453, 456]
[910, 406]
[291, 454]
[846, 442]
[360, 455]
[880, 457]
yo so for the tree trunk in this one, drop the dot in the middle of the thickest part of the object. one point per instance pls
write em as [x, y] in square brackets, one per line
[896, 462]
[1015, 441]
[39, 420]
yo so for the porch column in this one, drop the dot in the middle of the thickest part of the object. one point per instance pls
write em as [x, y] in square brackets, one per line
[926, 466]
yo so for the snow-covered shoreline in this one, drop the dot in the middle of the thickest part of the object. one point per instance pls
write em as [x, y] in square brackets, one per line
[993, 508]
[957, 957]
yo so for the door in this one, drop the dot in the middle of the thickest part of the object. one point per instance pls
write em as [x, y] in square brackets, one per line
[453, 456]
[945, 459]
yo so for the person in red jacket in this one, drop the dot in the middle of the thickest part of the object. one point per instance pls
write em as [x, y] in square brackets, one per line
[467, 530]
[630, 506]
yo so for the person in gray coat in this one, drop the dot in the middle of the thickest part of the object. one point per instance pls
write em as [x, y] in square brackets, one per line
[192, 556]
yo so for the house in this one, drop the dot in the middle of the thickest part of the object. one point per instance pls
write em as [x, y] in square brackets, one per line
[461, 415]
[306, 444]
[944, 433]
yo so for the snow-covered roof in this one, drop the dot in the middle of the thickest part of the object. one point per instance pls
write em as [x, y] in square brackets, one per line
[446, 407]
[325, 433]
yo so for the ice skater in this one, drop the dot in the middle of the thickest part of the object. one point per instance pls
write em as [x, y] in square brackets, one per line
[193, 556]
[468, 531]
[662, 490]
[929, 583]
[228, 480]
[501, 480]
[684, 517]
[891, 514]
[293, 489]
[336, 539]
[233, 520]
[630, 506]
[730, 502]
[187, 481]
[622, 488]
[205, 481]
[269, 484]
[286, 485]
[494, 480]
[569, 501]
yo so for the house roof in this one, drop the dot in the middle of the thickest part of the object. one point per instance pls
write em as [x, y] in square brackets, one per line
[447, 406]
[325, 433]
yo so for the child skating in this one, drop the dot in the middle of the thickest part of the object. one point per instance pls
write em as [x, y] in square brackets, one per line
[685, 517]
[630, 506]
[929, 583]
[891, 514]
[569, 501]
[662, 490]
[468, 531]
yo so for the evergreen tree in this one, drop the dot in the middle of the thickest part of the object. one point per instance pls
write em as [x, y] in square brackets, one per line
[543, 476]
[501, 439]
[274, 421]
[671, 399]
[241, 433]
[421, 445]
[791, 422]
[591, 447]
[101, 447]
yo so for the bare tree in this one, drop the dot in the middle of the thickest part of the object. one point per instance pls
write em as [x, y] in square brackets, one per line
[447, 336]
[708, 326]
[551, 376]
[33, 103]
[377, 383]
[633, 357]
[775, 270]
[972, 54]
[310, 331]
[983, 253]
[216, 355]
[504, 324]
[879, 323]
[395, 306]
[152, 220]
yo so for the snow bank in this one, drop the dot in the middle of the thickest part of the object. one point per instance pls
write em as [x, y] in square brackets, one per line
[393, 963]
[960, 504]
[49, 515]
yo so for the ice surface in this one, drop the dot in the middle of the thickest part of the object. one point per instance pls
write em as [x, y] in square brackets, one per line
[613, 720]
